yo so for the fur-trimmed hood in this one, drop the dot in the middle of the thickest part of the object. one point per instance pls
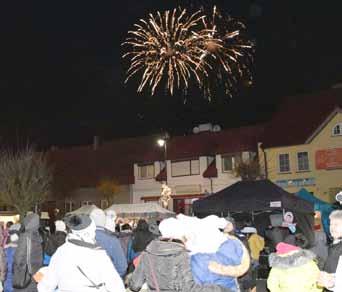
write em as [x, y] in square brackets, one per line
[295, 259]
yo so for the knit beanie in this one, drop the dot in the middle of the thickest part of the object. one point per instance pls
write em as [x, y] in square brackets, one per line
[99, 217]
[284, 248]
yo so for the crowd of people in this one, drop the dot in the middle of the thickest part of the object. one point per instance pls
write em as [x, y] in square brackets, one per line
[92, 253]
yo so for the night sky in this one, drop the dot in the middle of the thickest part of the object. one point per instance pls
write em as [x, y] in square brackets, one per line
[61, 71]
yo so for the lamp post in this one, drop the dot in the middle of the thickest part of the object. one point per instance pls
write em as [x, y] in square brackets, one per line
[165, 195]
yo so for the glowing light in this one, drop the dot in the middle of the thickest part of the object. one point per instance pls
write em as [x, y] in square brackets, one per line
[169, 46]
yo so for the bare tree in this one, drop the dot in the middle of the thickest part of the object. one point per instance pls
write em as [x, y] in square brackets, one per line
[248, 170]
[109, 188]
[25, 179]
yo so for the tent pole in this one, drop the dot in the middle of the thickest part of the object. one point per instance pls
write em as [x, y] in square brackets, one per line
[253, 217]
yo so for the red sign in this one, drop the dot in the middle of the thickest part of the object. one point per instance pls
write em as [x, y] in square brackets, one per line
[329, 158]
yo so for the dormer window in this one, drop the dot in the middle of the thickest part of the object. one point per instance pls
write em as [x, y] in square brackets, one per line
[337, 130]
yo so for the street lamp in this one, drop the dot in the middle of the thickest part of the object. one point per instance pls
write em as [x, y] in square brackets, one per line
[165, 195]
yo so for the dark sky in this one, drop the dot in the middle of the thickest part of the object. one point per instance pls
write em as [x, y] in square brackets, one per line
[61, 72]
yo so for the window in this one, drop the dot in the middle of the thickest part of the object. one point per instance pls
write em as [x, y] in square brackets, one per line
[303, 161]
[229, 162]
[146, 171]
[337, 130]
[86, 203]
[68, 206]
[184, 168]
[284, 162]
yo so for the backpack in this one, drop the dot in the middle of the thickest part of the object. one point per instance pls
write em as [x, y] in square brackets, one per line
[22, 276]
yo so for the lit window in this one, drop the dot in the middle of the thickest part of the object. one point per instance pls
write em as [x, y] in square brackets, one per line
[229, 162]
[303, 161]
[337, 130]
[184, 168]
[284, 162]
[146, 171]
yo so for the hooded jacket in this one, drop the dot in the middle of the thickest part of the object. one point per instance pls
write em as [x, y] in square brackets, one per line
[68, 264]
[31, 225]
[54, 241]
[293, 272]
[168, 262]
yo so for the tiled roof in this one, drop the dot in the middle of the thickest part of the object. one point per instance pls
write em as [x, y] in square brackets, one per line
[299, 117]
[84, 166]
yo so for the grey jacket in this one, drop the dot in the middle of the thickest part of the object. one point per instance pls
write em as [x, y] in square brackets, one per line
[170, 263]
[31, 224]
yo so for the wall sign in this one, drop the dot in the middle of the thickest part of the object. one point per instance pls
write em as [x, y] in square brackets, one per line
[329, 158]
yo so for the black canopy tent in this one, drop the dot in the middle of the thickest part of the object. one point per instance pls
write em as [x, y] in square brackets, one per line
[257, 197]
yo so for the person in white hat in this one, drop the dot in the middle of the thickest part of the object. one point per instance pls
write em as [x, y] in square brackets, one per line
[165, 264]
[56, 239]
[80, 265]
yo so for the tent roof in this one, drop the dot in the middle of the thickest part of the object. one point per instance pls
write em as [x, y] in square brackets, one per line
[319, 204]
[146, 210]
[247, 196]
[86, 210]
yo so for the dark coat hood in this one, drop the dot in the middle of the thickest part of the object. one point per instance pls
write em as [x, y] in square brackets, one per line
[165, 248]
[31, 222]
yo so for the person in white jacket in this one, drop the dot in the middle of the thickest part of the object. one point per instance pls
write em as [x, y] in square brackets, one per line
[80, 265]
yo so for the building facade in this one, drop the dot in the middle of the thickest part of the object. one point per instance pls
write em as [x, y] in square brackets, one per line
[310, 154]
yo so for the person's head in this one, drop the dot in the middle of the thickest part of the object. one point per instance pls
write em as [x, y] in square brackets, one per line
[60, 226]
[336, 224]
[172, 228]
[142, 225]
[82, 227]
[231, 225]
[283, 248]
[9, 224]
[126, 227]
[99, 217]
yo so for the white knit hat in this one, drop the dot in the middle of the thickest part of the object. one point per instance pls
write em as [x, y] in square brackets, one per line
[172, 228]
[99, 217]
[60, 226]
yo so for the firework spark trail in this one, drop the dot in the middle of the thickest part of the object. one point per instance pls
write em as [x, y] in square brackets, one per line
[179, 47]
[168, 45]
[227, 51]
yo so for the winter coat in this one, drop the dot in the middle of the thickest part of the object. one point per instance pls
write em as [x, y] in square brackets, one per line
[54, 241]
[31, 224]
[320, 248]
[68, 263]
[142, 236]
[293, 272]
[230, 253]
[256, 244]
[334, 253]
[9, 252]
[170, 263]
[112, 246]
[124, 238]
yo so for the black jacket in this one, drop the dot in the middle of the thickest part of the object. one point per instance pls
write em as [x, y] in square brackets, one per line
[31, 224]
[54, 241]
[335, 251]
[171, 265]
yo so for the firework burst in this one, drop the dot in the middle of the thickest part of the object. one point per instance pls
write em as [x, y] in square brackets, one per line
[227, 52]
[168, 45]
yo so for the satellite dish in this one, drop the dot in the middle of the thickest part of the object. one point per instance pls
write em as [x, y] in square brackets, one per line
[216, 128]
[196, 130]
